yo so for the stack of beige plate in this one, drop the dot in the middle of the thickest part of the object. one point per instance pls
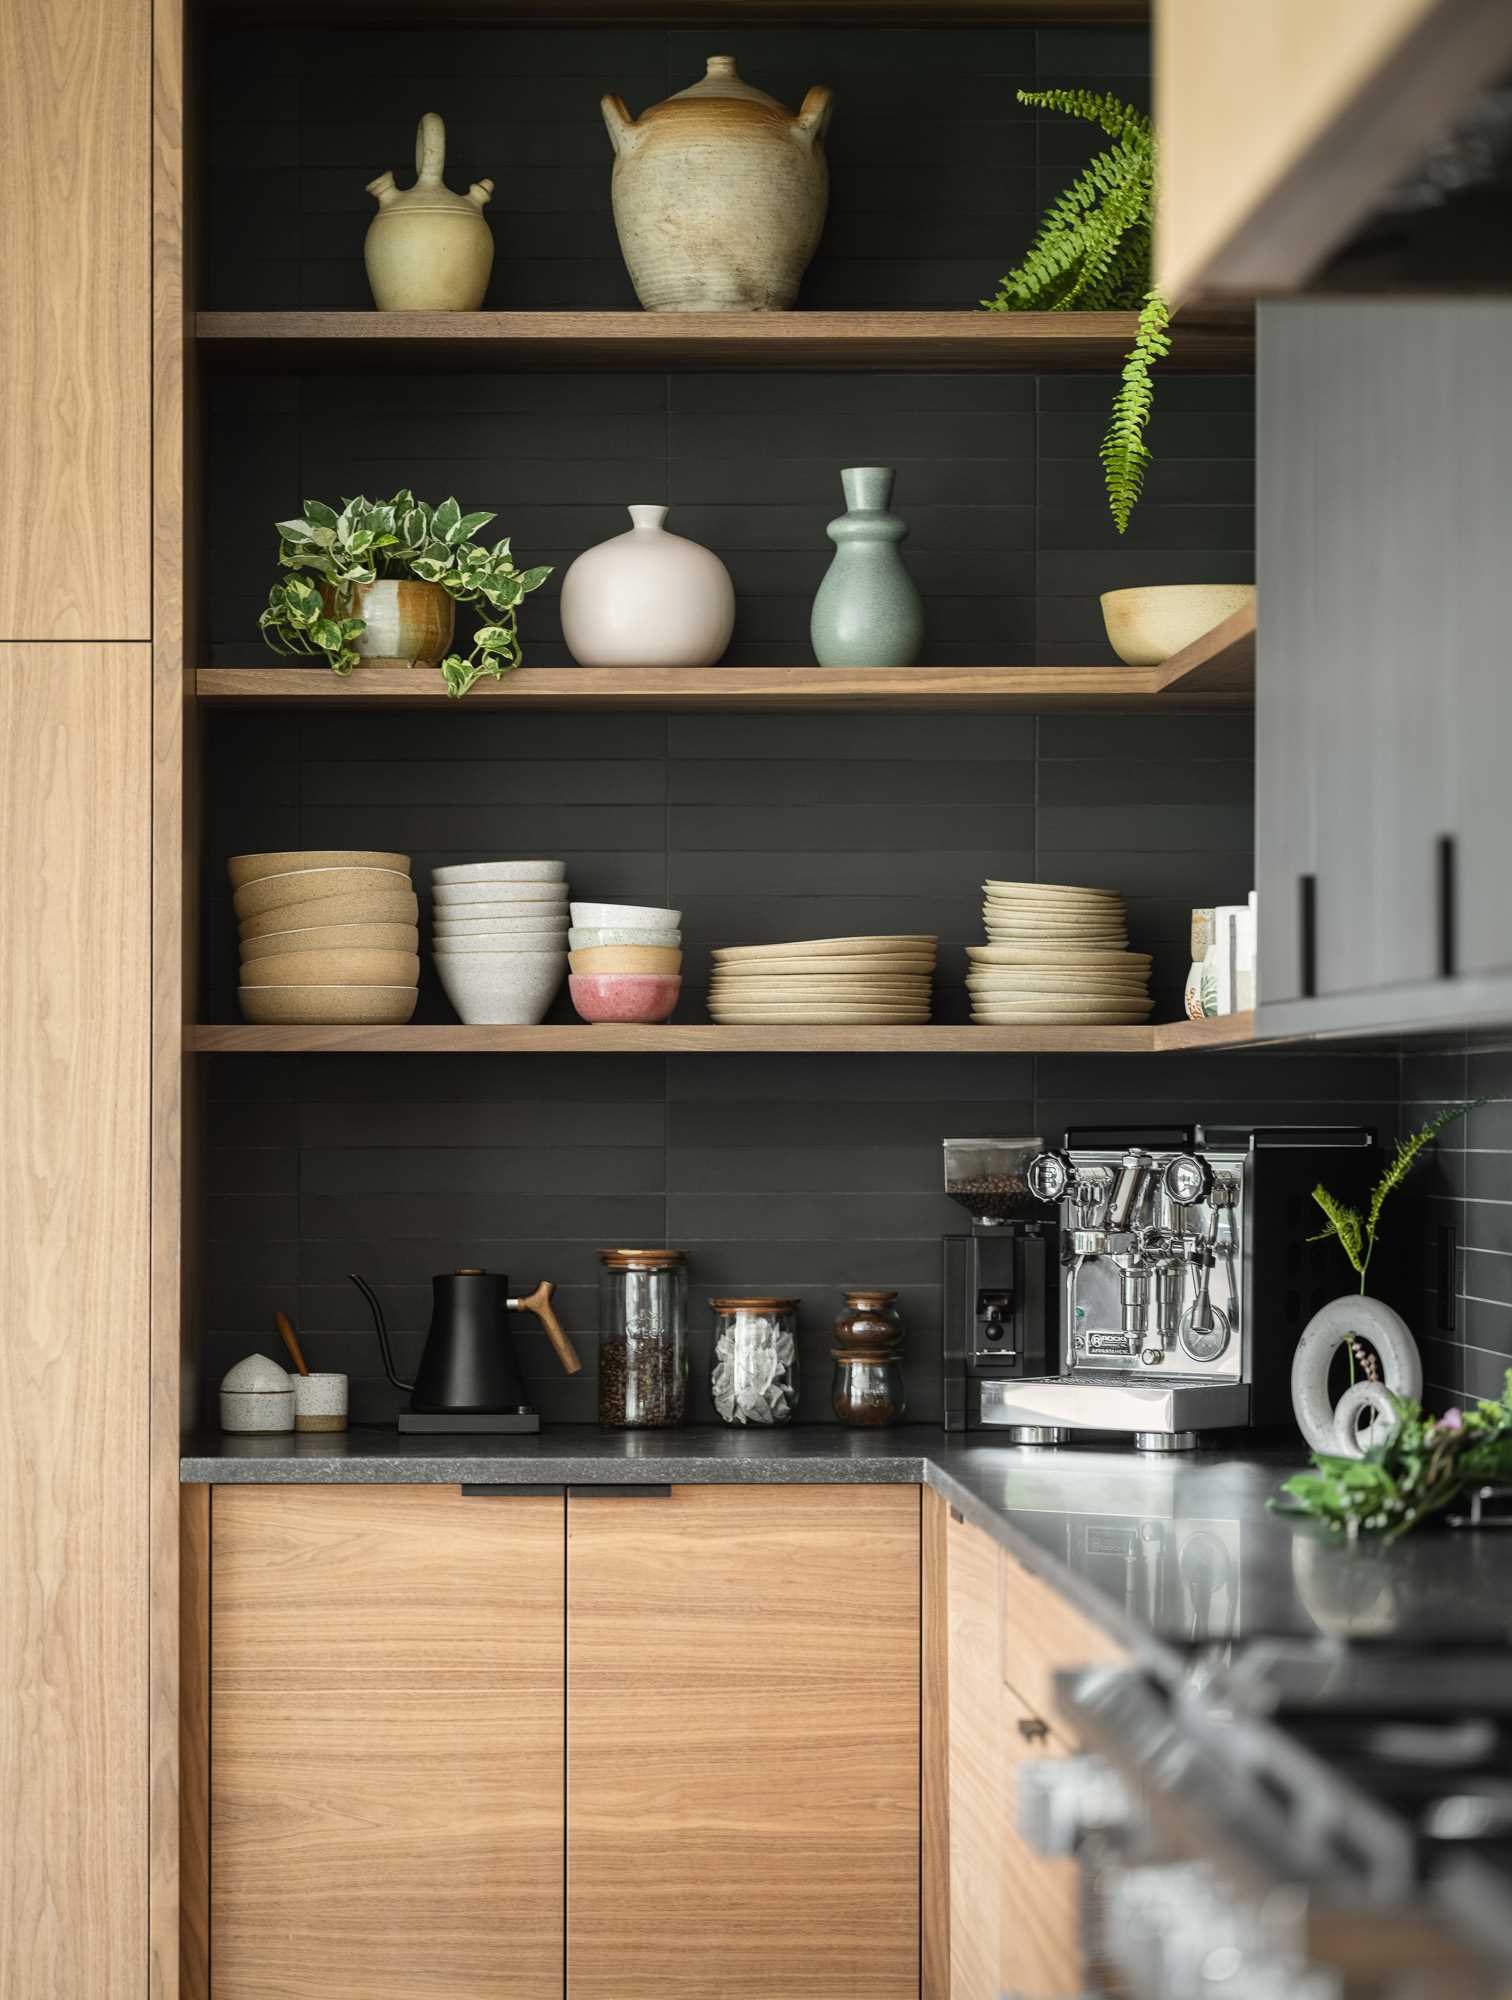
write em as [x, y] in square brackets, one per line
[1056, 955]
[327, 936]
[824, 982]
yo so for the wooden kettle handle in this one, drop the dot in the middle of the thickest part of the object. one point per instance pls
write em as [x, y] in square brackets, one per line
[539, 1303]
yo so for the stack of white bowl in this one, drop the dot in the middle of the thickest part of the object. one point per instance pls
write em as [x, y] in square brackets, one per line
[626, 962]
[1056, 955]
[499, 938]
[824, 982]
[328, 935]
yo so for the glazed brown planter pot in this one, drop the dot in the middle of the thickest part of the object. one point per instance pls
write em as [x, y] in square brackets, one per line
[405, 620]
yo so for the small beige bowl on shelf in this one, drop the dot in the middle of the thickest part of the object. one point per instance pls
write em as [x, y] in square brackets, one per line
[381, 906]
[332, 937]
[313, 885]
[338, 968]
[611, 958]
[1148, 624]
[327, 1006]
[244, 868]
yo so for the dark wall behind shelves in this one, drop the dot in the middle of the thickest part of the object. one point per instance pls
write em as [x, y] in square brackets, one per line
[939, 176]
[802, 1174]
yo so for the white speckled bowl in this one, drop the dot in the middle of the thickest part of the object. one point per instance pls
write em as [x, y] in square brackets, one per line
[320, 1402]
[501, 988]
[591, 937]
[637, 916]
[463, 923]
[510, 943]
[449, 895]
[501, 871]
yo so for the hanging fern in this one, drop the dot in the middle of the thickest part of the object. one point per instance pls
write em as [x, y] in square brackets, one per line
[1091, 253]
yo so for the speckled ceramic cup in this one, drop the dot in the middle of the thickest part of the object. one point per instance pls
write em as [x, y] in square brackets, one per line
[320, 1402]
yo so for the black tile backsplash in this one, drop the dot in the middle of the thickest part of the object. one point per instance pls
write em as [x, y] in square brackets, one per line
[1456, 1218]
[807, 1173]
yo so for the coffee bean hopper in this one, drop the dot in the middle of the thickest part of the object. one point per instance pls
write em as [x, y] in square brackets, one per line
[999, 1276]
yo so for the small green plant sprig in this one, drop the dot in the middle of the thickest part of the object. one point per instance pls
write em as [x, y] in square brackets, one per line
[401, 537]
[1092, 254]
[1356, 1233]
[1421, 1467]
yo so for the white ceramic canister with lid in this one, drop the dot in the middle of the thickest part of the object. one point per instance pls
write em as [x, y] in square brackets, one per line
[256, 1398]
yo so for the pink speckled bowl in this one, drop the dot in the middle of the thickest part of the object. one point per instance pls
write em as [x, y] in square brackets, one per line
[624, 996]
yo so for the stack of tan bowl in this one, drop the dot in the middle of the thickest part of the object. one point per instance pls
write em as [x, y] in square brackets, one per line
[824, 982]
[327, 936]
[1056, 956]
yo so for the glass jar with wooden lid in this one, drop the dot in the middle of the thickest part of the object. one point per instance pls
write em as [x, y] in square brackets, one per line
[868, 1389]
[643, 1339]
[869, 1320]
[754, 1378]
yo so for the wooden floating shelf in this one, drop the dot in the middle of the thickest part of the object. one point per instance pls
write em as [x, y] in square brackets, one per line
[1220, 340]
[674, 13]
[1217, 672]
[1233, 1031]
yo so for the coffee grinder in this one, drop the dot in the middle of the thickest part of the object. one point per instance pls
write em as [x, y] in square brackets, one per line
[999, 1279]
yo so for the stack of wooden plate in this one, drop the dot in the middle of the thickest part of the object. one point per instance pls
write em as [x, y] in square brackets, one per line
[824, 982]
[1056, 955]
[326, 936]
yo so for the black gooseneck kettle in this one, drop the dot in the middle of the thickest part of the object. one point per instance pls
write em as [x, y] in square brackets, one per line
[469, 1377]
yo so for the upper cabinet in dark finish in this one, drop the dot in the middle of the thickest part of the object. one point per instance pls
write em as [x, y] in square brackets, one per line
[1383, 790]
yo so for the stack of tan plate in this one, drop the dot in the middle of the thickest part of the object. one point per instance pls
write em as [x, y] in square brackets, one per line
[327, 936]
[824, 982]
[1056, 956]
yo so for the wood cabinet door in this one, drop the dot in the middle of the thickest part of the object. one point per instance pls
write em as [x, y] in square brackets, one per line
[386, 1744]
[75, 308]
[743, 1744]
[1040, 1911]
[978, 1768]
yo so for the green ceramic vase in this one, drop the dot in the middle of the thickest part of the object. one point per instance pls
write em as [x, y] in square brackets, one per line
[867, 612]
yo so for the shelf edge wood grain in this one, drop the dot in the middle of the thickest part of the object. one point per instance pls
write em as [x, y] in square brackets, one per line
[946, 340]
[702, 1037]
[1215, 672]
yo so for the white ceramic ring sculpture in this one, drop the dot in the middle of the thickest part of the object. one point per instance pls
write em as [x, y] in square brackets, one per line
[1325, 1428]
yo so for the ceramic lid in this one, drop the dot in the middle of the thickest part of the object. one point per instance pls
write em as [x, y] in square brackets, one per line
[257, 1376]
[721, 80]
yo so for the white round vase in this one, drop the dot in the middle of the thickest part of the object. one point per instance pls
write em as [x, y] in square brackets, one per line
[647, 599]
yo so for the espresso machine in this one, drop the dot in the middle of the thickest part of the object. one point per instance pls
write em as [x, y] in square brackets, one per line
[1187, 1270]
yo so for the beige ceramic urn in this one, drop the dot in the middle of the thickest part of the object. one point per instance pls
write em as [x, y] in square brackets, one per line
[719, 194]
[427, 249]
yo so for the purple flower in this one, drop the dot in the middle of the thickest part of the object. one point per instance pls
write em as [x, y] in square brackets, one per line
[1451, 1420]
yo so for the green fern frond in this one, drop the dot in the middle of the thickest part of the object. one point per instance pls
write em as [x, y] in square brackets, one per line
[1344, 1222]
[1117, 119]
[1408, 1152]
[1124, 452]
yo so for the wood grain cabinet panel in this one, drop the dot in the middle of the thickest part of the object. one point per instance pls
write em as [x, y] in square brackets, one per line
[1039, 1913]
[74, 1040]
[386, 1744]
[1043, 1634]
[75, 309]
[978, 1766]
[743, 1744]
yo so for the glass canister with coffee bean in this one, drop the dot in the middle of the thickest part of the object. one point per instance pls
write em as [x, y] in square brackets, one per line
[643, 1340]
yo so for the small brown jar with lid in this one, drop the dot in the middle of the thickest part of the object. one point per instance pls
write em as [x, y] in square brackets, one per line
[869, 1321]
[643, 1341]
[868, 1390]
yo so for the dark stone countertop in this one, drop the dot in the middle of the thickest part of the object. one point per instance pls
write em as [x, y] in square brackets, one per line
[1181, 1551]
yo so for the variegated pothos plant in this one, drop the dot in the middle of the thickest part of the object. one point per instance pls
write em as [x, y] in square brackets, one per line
[402, 537]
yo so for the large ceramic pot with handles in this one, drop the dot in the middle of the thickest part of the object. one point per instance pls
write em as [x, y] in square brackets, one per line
[719, 194]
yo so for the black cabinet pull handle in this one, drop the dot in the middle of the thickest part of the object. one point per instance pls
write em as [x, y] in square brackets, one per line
[1307, 935]
[1033, 1729]
[1448, 922]
[508, 1491]
[628, 1491]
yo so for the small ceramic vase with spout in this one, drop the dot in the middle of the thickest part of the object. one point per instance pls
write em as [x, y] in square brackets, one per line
[427, 249]
[867, 612]
[647, 599]
[719, 194]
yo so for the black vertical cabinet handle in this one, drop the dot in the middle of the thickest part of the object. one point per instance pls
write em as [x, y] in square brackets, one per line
[1448, 916]
[1307, 935]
